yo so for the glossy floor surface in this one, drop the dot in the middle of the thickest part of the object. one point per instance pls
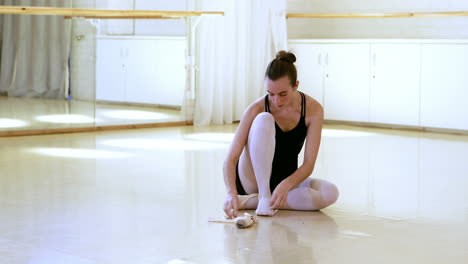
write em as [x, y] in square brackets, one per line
[32, 113]
[145, 196]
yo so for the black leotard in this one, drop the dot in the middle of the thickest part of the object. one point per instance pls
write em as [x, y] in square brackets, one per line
[288, 146]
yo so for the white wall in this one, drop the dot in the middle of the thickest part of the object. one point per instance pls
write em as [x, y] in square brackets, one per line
[161, 27]
[447, 27]
[166, 27]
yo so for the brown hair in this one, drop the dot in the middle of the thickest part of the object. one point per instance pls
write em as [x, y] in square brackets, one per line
[282, 65]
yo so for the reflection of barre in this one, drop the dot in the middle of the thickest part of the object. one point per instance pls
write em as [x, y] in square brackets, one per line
[241, 222]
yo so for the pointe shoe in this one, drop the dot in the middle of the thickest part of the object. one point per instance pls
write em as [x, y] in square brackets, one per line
[264, 208]
[245, 221]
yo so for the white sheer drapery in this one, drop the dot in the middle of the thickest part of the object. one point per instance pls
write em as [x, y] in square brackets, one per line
[234, 51]
[35, 52]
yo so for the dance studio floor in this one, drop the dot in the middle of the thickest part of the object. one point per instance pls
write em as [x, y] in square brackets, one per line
[145, 196]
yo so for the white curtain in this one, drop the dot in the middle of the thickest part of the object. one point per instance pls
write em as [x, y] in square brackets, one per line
[35, 52]
[234, 51]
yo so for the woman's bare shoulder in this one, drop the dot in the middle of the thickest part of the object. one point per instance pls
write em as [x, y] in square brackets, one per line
[256, 107]
[313, 108]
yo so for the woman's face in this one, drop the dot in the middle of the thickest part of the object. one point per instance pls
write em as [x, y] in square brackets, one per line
[280, 91]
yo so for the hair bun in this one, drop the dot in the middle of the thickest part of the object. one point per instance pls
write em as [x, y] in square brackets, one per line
[285, 56]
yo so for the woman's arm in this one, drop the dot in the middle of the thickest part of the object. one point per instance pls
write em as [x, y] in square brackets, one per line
[314, 135]
[235, 150]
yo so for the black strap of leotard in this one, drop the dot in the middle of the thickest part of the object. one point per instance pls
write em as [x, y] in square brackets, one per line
[303, 110]
[267, 104]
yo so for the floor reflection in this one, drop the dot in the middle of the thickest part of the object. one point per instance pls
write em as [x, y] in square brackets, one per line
[397, 176]
[32, 113]
[287, 236]
[115, 114]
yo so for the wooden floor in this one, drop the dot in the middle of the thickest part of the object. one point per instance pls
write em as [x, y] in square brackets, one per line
[145, 196]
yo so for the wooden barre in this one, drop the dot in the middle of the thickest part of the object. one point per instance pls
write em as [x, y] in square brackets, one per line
[127, 17]
[389, 15]
[74, 12]
[158, 14]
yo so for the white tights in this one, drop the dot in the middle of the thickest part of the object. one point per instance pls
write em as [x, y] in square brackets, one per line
[255, 170]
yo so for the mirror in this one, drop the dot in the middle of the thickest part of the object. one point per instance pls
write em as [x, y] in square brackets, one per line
[77, 73]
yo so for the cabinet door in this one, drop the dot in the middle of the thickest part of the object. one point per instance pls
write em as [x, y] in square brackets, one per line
[310, 60]
[110, 70]
[346, 87]
[141, 78]
[394, 94]
[156, 71]
[444, 86]
[170, 71]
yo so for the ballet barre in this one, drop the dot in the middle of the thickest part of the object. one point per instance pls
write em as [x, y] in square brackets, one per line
[159, 14]
[381, 15]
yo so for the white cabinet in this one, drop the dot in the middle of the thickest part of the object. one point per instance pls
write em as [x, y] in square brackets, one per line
[170, 72]
[337, 76]
[141, 75]
[394, 93]
[418, 83]
[110, 70]
[346, 85]
[147, 71]
[444, 86]
[310, 68]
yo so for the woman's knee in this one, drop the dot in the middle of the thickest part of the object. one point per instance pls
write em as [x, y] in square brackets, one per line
[329, 193]
[263, 126]
[264, 119]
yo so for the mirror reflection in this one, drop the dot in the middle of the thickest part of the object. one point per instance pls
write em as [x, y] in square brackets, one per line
[65, 73]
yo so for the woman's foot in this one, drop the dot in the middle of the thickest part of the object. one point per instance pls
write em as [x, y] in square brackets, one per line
[264, 208]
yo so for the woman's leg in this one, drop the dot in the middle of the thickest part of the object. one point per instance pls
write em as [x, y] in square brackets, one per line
[319, 195]
[256, 161]
[312, 194]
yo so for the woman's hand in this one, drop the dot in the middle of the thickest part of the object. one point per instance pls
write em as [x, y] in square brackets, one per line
[231, 205]
[280, 195]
